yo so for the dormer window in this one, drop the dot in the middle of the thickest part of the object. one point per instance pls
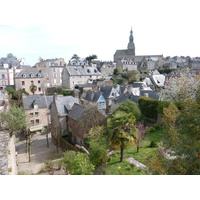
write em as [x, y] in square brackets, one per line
[24, 75]
[31, 75]
[95, 71]
[88, 71]
[39, 75]
[35, 106]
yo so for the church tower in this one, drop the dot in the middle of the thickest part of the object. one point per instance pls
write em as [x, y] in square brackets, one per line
[131, 45]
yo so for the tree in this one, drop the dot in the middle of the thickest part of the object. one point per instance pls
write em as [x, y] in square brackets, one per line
[130, 107]
[98, 149]
[122, 130]
[180, 88]
[33, 88]
[133, 76]
[115, 72]
[182, 139]
[76, 57]
[90, 58]
[10, 55]
[140, 135]
[14, 119]
[77, 163]
[91, 117]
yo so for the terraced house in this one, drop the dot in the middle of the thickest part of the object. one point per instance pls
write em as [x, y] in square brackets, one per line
[27, 78]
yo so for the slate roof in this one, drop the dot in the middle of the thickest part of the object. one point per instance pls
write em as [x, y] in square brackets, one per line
[92, 96]
[123, 97]
[64, 104]
[76, 112]
[121, 52]
[29, 73]
[137, 84]
[106, 90]
[152, 94]
[30, 100]
[11, 61]
[82, 71]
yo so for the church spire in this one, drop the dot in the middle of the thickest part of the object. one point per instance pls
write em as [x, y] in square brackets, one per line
[131, 45]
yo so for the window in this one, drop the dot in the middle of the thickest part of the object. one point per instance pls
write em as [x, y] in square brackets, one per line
[38, 82]
[3, 76]
[23, 82]
[36, 114]
[32, 122]
[3, 82]
[54, 75]
[31, 114]
[37, 121]
[39, 89]
[35, 106]
[32, 82]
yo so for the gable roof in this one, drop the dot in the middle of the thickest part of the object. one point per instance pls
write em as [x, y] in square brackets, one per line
[106, 90]
[121, 52]
[76, 112]
[82, 71]
[92, 96]
[123, 97]
[152, 94]
[40, 99]
[64, 104]
[29, 73]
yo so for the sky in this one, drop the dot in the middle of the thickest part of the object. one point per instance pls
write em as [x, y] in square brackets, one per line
[59, 29]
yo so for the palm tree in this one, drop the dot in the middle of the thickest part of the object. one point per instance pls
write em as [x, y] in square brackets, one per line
[122, 130]
[33, 88]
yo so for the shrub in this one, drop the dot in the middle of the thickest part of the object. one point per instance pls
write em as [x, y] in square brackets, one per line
[161, 105]
[148, 107]
[153, 144]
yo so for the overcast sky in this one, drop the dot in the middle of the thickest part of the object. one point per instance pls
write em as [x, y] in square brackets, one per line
[62, 28]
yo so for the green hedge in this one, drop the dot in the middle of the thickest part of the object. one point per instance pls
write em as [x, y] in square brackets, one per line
[150, 108]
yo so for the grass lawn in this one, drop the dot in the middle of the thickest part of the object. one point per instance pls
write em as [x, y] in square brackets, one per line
[115, 167]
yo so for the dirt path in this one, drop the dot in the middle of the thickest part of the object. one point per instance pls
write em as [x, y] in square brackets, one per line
[39, 154]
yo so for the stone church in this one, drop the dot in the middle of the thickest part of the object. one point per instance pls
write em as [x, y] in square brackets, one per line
[129, 54]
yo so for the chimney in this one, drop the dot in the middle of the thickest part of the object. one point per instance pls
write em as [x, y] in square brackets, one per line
[129, 89]
[54, 97]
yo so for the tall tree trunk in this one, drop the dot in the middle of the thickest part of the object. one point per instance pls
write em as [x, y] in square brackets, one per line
[122, 153]
[138, 147]
[47, 139]
[29, 148]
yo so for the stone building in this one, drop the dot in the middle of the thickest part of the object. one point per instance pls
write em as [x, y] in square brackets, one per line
[37, 109]
[76, 75]
[128, 55]
[27, 77]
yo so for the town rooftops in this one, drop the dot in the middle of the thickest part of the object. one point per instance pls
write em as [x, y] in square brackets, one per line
[92, 96]
[76, 112]
[64, 104]
[41, 100]
[82, 71]
[29, 73]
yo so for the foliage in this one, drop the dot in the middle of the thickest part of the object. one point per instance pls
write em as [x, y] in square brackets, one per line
[91, 117]
[122, 130]
[64, 92]
[165, 71]
[75, 56]
[140, 135]
[10, 90]
[130, 107]
[153, 144]
[14, 119]
[117, 80]
[33, 88]
[77, 163]
[115, 72]
[49, 166]
[148, 107]
[182, 137]
[98, 147]
[180, 88]
[133, 76]
[10, 55]
[90, 58]
[161, 105]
